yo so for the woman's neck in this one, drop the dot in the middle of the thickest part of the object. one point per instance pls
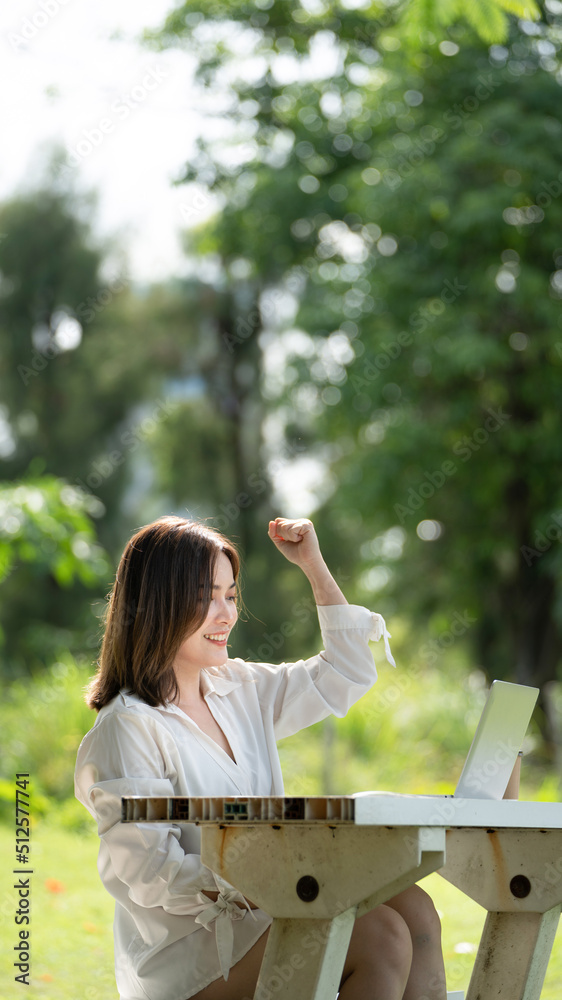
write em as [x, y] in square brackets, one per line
[189, 689]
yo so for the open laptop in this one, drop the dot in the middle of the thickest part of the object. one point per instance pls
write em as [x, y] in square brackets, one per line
[497, 741]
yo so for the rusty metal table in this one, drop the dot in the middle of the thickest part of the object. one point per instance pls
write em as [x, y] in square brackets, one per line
[315, 864]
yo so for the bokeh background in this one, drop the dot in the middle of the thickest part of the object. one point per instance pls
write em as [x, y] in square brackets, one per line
[298, 257]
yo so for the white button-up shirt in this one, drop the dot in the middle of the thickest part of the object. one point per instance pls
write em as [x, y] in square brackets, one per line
[171, 940]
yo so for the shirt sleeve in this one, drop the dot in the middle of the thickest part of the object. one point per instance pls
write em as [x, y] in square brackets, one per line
[129, 754]
[302, 693]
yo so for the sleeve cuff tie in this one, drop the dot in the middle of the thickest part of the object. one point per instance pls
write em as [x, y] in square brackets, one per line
[221, 912]
[380, 630]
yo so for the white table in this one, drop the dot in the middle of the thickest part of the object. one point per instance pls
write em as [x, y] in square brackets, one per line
[315, 864]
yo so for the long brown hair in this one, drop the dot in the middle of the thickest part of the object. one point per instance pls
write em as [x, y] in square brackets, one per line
[161, 595]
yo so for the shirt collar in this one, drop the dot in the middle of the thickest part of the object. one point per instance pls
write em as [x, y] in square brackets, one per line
[218, 683]
[211, 683]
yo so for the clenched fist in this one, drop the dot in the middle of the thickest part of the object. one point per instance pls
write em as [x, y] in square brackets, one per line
[296, 539]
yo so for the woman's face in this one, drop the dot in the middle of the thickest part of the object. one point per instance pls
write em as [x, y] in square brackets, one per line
[207, 647]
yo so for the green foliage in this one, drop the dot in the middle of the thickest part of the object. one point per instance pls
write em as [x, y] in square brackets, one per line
[48, 267]
[408, 201]
[410, 733]
[78, 351]
[463, 325]
[487, 18]
[84, 361]
[42, 722]
[47, 523]
[414, 20]
[206, 477]
[48, 545]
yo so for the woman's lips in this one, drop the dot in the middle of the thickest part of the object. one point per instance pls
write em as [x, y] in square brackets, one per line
[217, 638]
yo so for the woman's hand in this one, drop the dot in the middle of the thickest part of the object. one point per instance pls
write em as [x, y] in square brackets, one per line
[296, 539]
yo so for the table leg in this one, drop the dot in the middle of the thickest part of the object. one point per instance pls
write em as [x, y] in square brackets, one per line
[304, 957]
[513, 955]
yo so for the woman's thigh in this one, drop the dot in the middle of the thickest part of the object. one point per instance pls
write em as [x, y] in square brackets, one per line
[242, 978]
[378, 937]
[380, 940]
[416, 907]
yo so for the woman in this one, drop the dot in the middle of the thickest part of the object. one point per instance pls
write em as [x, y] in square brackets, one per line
[178, 717]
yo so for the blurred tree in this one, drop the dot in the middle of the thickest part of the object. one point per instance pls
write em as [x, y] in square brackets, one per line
[402, 202]
[206, 458]
[453, 404]
[47, 544]
[125, 392]
[204, 455]
[84, 359]
[71, 368]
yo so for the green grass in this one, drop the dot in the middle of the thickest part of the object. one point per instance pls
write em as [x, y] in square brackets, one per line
[71, 919]
[462, 922]
[71, 923]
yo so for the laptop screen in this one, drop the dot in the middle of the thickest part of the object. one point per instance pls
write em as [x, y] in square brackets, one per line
[497, 741]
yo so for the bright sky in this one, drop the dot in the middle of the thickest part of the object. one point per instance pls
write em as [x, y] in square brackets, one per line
[74, 72]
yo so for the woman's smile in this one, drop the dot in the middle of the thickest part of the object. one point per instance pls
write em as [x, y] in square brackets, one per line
[219, 638]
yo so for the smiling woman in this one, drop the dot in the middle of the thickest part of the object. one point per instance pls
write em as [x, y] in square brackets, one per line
[177, 716]
[162, 594]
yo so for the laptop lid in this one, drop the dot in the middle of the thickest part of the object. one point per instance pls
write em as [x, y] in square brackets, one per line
[497, 741]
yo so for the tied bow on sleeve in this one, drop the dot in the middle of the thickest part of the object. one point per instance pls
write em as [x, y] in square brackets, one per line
[221, 912]
[380, 630]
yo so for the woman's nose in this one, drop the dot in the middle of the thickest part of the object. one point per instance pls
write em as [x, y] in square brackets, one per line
[227, 612]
